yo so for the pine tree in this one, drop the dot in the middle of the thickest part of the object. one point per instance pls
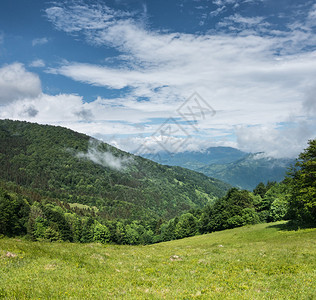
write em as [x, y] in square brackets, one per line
[302, 183]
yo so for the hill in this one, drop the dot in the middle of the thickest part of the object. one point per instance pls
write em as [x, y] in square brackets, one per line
[238, 168]
[265, 261]
[68, 167]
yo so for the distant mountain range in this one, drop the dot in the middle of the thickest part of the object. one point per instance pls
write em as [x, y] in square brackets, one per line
[238, 168]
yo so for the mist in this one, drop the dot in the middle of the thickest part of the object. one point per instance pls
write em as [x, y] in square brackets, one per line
[105, 158]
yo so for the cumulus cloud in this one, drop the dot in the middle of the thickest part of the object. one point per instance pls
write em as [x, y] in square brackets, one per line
[276, 142]
[84, 114]
[50, 109]
[29, 111]
[17, 83]
[105, 158]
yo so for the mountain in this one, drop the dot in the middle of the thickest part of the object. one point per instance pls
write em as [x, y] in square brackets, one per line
[238, 168]
[194, 160]
[247, 172]
[64, 166]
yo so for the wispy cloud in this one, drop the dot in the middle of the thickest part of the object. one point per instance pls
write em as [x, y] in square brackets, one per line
[224, 4]
[38, 63]
[217, 11]
[78, 17]
[237, 22]
[39, 41]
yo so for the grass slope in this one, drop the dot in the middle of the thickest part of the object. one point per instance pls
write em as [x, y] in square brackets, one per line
[258, 262]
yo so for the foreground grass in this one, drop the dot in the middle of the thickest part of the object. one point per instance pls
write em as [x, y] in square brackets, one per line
[256, 262]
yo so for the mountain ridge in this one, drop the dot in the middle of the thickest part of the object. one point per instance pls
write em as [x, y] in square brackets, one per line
[240, 169]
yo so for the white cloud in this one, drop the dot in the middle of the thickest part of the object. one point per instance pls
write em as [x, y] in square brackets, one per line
[50, 109]
[309, 103]
[39, 41]
[256, 76]
[38, 63]
[253, 78]
[17, 83]
[311, 19]
[105, 158]
[80, 17]
[276, 142]
[216, 12]
[243, 22]
[224, 2]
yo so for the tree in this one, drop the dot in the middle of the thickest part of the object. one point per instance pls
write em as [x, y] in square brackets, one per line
[101, 233]
[120, 233]
[13, 214]
[278, 209]
[260, 189]
[237, 208]
[52, 235]
[302, 182]
[87, 231]
[35, 213]
[168, 230]
[187, 226]
[132, 236]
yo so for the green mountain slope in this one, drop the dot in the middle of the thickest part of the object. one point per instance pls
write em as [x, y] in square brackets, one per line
[247, 172]
[61, 164]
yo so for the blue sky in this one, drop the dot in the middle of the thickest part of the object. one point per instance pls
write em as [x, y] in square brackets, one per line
[164, 75]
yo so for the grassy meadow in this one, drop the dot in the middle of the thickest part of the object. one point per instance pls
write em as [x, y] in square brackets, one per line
[265, 261]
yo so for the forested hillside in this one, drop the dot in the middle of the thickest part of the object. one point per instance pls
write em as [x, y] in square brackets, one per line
[59, 185]
[62, 164]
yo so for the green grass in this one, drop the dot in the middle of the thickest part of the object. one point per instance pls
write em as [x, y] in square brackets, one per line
[256, 262]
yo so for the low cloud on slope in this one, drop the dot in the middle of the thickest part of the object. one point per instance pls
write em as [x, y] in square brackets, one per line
[105, 158]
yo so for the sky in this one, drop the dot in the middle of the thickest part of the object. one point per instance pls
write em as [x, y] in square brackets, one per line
[148, 76]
